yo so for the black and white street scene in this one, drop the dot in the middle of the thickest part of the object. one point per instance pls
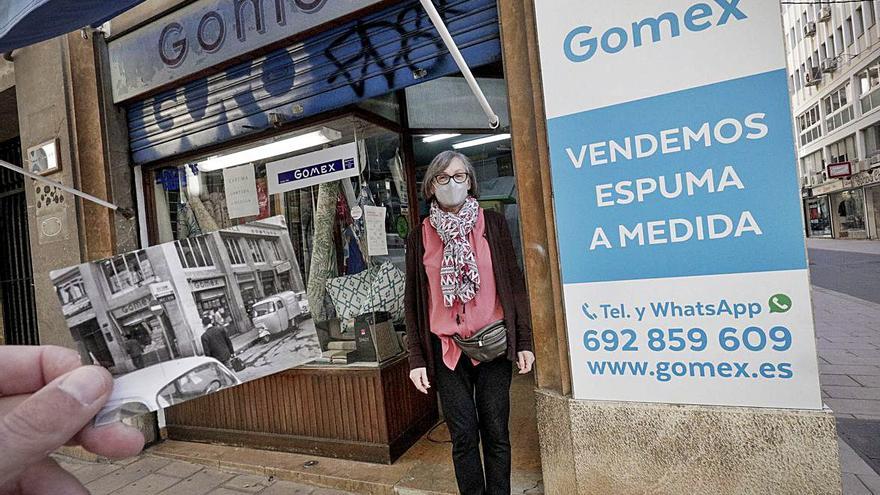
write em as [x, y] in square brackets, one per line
[186, 318]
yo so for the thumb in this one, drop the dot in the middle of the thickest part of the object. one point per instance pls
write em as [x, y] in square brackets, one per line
[49, 418]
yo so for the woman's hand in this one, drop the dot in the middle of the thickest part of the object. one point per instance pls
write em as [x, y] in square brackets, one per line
[419, 377]
[524, 361]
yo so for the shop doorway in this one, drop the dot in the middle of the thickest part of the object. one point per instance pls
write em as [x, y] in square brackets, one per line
[16, 272]
[94, 343]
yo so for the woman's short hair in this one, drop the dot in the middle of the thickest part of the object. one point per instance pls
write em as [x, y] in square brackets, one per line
[439, 164]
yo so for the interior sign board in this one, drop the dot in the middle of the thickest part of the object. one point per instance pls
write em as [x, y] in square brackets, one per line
[209, 32]
[677, 202]
[327, 165]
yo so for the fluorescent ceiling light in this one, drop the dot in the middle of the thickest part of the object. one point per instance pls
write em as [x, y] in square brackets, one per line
[438, 137]
[482, 140]
[323, 135]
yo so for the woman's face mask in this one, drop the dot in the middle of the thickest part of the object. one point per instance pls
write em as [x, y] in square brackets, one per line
[453, 194]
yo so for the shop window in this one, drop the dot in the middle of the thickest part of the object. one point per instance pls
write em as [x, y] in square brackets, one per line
[194, 252]
[127, 271]
[818, 217]
[849, 206]
[447, 103]
[233, 247]
[256, 250]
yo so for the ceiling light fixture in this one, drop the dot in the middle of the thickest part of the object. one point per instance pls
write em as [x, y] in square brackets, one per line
[438, 137]
[323, 135]
[483, 140]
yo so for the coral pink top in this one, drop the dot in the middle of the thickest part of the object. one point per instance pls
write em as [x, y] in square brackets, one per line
[463, 320]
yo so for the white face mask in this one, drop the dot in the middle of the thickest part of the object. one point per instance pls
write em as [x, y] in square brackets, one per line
[452, 194]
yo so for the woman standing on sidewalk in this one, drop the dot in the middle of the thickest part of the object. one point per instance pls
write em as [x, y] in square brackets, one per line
[481, 283]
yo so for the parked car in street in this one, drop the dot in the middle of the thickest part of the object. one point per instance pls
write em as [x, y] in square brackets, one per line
[163, 385]
[279, 313]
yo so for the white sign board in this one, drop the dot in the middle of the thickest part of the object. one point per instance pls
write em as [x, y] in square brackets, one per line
[240, 191]
[210, 32]
[377, 241]
[677, 205]
[327, 165]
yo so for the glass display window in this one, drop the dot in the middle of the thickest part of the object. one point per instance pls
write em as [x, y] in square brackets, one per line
[327, 224]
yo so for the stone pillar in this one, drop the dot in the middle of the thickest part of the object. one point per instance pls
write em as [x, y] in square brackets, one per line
[598, 447]
[63, 93]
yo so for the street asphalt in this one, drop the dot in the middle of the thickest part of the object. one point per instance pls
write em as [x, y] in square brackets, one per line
[852, 273]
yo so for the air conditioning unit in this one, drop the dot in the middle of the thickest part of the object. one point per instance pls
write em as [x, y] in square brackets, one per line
[812, 77]
[829, 65]
[825, 14]
[810, 29]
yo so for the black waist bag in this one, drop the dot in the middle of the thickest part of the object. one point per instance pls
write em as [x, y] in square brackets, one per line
[488, 344]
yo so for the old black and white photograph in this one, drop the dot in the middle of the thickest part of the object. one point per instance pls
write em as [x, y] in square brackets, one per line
[186, 318]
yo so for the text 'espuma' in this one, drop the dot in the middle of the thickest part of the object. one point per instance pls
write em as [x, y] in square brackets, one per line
[580, 46]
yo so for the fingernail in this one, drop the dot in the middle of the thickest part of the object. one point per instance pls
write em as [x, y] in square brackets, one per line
[86, 385]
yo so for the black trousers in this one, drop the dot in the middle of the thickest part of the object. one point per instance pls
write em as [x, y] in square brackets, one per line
[476, 404]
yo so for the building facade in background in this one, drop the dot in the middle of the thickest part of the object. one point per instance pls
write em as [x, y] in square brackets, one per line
[833, 52]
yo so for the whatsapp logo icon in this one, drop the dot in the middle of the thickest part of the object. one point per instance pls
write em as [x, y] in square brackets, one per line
[779, 303]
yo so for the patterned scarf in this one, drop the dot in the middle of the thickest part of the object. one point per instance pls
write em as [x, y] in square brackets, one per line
[459, 277]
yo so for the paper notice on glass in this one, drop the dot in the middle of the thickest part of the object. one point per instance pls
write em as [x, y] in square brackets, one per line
[240, 188]
[377, 243]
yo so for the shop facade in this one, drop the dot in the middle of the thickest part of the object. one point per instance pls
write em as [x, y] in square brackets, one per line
[374, 74]
[845, 208]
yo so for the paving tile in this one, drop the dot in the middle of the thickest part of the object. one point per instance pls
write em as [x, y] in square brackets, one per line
[848, 358]
[854, 406]
[867, 393]
[248, 483]
[92, 471]
[867, 380]
[850, 462]
[148, 485]
[200, 483]
[290, 488]
[848, 369]
[224, 491]
[852, 485]
[126, 475]
[872, 481]
[181, 469]
[838, 380]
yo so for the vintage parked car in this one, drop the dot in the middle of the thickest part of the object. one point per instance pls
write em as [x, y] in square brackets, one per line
[279, 313]
[163, 385]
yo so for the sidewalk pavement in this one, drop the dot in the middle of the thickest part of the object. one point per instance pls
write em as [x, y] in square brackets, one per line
[151, 475]
[848, 344]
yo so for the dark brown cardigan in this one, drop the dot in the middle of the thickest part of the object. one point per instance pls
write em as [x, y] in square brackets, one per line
[509, 283]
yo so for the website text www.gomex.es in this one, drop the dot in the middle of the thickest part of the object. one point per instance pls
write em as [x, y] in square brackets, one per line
[664, 371]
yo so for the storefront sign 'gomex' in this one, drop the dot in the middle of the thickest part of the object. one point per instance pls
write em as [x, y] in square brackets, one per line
[210, 32]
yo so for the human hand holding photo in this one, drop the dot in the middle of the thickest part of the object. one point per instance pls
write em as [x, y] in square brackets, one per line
[48, 399]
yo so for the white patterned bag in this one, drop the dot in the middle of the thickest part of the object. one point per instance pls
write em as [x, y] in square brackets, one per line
[378, 288]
